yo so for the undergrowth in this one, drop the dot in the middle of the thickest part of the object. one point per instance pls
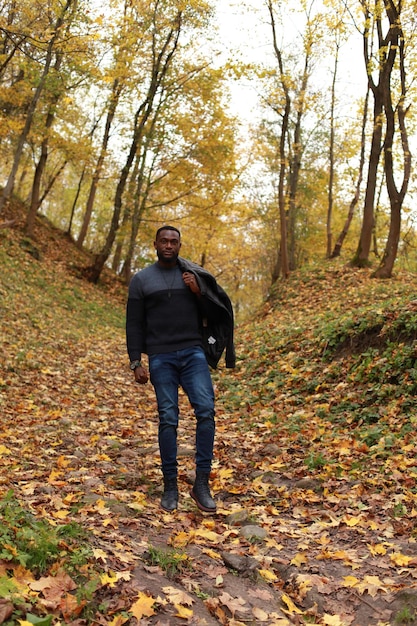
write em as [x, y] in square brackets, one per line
[351, 359]
[35, 544]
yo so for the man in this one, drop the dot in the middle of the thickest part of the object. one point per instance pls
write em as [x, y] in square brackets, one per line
[182, 319]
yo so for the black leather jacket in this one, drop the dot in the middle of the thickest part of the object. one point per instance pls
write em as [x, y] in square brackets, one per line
[216, 316]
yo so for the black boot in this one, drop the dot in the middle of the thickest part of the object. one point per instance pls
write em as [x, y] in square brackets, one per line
[201, 493]
[169, 500]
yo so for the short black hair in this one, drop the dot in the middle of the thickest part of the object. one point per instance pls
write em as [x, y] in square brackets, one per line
[166, 227]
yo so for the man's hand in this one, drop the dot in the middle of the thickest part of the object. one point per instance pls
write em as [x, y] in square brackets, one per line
[141, 375]
[191, 282]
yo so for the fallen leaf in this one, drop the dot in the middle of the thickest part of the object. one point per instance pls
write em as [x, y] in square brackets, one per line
[233, 604]
[299, 559]
[183, 612]
[260, 615]
[268, 575]
[177, 596]
[292, 608]
[143, 607]
[332, 620]
[400, 559]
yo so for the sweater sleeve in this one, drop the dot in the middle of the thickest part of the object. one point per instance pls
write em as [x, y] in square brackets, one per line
[135, 322]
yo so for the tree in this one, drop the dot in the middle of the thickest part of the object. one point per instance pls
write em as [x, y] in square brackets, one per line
[396, 196]
[282, 265]
[54, 34]
[36, 199]
[291, 102]
[355, 199]
[381, 66]
[163, 47]
[186, 169]
[125, 41]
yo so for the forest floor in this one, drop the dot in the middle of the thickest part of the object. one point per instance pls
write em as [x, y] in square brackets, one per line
[314, 474]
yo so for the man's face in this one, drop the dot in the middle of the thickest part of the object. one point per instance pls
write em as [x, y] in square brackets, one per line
[167, 246]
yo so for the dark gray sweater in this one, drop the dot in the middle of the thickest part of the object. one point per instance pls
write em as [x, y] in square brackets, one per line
[162, 313]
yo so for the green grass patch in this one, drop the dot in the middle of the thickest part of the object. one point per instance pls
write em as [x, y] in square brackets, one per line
[35, 544]
[171, 561]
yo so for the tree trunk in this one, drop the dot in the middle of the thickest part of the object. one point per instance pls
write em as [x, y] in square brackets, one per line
[74, 204]
[114, 99]
[35, 201]
[296, 163]
[8, 189]
[143, 184]
[340, 240]
[361, 258]
[329, 234]
[159, 71]
[283, 250]
[396, 196]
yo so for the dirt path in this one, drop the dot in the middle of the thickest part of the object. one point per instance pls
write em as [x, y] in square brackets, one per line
[283, 548]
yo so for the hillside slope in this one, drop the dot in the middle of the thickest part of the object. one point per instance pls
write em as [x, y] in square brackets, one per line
[315, 470]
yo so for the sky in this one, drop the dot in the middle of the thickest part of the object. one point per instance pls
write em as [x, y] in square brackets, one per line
[248, 34]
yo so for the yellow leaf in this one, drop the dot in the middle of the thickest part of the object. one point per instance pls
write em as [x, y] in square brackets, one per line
[332, 620]
[377, 548]
[211, 553]
[62, 462]
[140, 498]
[11, 548]
[118, 620]
[181, 539]
[350, 581]
[273, 510]
[100, 554]
[272, 543]
[290, 604]
[324, 540]
[143, 606]
[209, 534]
[351, 521]
[53, 476]
[225, 473]
[28, 490]
[100, 507]
[103, 457]
[299, 559]
[267, 575]
[208, 523]
[371, 585]
[4, 450]
[346, 450]
[135, 506]
[70, 498]
[400, 559]
[276, 466]
[111, 578]
[60, 514]
[183, 612]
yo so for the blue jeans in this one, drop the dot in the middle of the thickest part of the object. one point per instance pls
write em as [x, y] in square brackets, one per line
[189, 369]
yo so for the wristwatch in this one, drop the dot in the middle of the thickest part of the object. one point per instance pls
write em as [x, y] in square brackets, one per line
[135, 364]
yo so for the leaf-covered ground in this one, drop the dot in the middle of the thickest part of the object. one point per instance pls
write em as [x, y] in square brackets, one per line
[314, 476]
